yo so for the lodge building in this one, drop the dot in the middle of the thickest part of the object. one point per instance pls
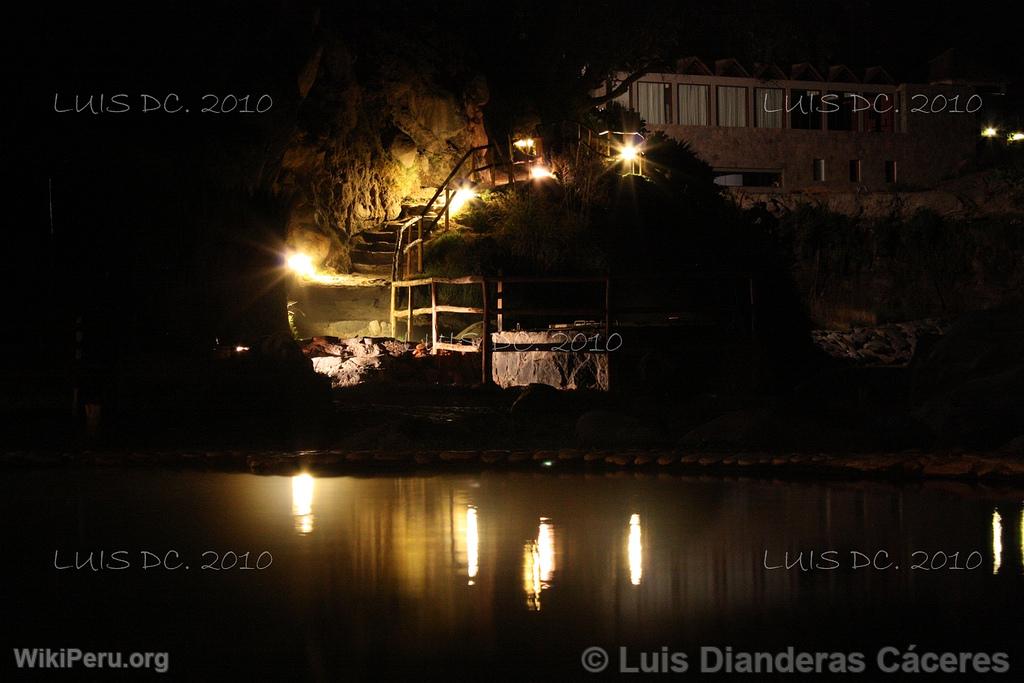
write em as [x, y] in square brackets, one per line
[803, 130]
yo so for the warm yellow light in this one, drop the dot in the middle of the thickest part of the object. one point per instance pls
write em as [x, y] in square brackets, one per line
[301, 264]
[472, 544]
[524, 143]
[241, 349]
[628, 153]
[538, 172]
[546, 548]
[997, 541]
[459, 200]
[531, 576]
[989, 132]
[1015, 136]
[539, 564]
[636, 551]
[302, 502]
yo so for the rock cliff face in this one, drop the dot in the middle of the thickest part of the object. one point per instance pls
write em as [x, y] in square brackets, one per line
[374, 126]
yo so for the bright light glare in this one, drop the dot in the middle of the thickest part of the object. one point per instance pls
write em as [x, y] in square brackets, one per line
[524, 143]
[241, 349]
[628, 153]
[636, 551]
[462, 195]
[989, 132]
[538, 172]
[997, 541]
[1016, 136]
[301, 264]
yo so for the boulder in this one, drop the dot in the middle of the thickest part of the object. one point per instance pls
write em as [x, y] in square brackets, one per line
[559, 369]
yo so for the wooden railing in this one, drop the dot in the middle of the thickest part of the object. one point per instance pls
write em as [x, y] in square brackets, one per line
[408, 256]
[404, 246]
[498, 308]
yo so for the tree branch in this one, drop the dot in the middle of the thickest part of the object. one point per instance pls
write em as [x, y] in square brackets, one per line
[622, 87]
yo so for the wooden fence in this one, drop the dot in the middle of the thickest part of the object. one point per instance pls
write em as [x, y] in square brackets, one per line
[499, 309]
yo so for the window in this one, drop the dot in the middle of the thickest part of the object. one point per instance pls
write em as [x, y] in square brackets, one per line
[879, 112]
[693, 105]
[769, 103]
[732, 106]
[819, 170]
[654, 102]
[839, 106]
[890, 172]
[748, 178]
[804, 109]
[855, 170]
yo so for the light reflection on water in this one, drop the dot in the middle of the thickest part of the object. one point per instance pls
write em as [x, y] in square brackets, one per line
[997, 541]
[472, 544]
[635, 549]
[539, 563]
[302, 502]
[545, 565]
[413, 520]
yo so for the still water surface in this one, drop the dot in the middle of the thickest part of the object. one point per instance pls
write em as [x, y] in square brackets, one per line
[464, 574]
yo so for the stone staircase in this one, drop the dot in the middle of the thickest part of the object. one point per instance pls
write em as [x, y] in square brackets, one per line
[374, 250]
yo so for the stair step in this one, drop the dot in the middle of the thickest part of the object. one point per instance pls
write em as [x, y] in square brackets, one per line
[363, 255]
[410, 210]
[378, 236]
[372, 269]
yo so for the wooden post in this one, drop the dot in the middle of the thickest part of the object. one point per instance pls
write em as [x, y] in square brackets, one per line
[500, 304]
[394, 332]
[511, 163]
[419, 246]
[608, 327]
[485, 340]
[408, 321]
[433, 317]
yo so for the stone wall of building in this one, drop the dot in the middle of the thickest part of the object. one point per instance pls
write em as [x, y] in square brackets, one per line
[935, 136]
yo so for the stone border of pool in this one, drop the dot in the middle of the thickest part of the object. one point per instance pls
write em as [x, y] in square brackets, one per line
[906, 465]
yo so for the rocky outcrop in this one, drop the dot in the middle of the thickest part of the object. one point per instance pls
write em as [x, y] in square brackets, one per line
[367, 136]
[349, 362]
[893, 344]
[369, 360]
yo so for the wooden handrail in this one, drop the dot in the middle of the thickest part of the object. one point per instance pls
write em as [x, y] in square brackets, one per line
[399, 243]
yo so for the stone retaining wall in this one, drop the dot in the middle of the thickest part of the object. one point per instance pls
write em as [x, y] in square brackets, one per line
[970, 467]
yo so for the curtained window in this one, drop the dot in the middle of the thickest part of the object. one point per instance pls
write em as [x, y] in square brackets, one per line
[654, 102]
[732, 106]
[769, 104]
[693, 105]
